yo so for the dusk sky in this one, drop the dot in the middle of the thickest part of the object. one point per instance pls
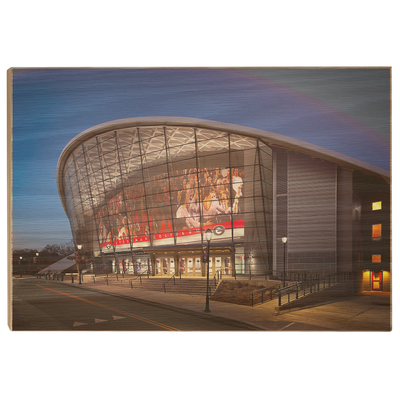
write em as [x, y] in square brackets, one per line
[346, 110]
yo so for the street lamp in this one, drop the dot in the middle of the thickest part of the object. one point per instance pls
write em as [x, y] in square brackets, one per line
[208, 238]
[284, 240]
[78, 265]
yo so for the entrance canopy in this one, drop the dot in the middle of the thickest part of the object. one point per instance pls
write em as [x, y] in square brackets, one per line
[60, 266]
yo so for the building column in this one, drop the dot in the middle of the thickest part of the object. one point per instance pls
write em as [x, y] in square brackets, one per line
[177, 266]
[233, 269]
[153, 264]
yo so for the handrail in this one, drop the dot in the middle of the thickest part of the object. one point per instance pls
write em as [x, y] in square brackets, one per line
[215, 279]
[173, 276]
[311, 285]
[139, 277]
[262, 290]
[106, 278]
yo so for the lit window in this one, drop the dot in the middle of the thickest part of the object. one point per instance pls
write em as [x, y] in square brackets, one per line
[377, 205]
[377, 232]
[376, 258]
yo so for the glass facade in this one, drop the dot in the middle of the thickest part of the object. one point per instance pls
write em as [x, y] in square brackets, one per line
[133, 190]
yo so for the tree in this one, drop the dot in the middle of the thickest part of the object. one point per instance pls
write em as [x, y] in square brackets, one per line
[62, 250]
[48, 255]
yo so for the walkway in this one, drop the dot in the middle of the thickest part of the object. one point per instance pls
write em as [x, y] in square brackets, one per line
[363, 312]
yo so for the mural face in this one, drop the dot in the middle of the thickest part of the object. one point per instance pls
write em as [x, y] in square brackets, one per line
[183, 205]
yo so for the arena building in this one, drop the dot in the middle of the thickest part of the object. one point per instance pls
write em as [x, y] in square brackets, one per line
[141, 192]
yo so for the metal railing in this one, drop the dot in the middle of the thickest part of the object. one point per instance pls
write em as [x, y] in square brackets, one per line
[139, 277]
[311, 285]
[172, 277]
[255, 295]
[216, 278]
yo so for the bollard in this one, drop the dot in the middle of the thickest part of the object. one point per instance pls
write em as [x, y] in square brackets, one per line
[280, 299]
[131, 284]
[72, 278]
[297, 292]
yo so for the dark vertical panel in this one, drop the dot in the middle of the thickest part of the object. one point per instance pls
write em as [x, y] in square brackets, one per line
[312, 204]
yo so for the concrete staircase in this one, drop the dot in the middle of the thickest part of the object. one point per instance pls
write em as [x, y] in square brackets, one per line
[183, 286]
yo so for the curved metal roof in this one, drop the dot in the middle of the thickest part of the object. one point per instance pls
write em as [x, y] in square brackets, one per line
[272, 139]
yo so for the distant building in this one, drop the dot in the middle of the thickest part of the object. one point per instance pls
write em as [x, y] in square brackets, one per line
[140, 193]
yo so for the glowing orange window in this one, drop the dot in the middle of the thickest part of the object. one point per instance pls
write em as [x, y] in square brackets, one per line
[376, 281]
[377, 232]
[376, 258]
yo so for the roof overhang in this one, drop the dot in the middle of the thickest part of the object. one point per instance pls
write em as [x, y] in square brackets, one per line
[60, 265]
[270, 138]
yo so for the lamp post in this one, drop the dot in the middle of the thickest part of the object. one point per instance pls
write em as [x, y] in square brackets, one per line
[208, 238]
[35, 262]
[284, 240]
[78, 265]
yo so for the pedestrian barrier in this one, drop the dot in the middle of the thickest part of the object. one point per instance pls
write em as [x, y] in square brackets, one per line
[260, 295]
[311, 285]
[139, 277]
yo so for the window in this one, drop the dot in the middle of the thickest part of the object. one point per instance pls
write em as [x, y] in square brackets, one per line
[377, 205]
[377, 232]
[376, 258]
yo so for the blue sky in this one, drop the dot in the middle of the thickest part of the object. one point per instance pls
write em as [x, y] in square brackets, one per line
[346, 110]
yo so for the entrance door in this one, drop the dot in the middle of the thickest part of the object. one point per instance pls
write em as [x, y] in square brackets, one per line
[171, 266]
[226, 269]
[376, 281]
[190, 266]
[158, 266]
[141, 265]
[218, 265]
[165, 266]
[182, 266]
[211, 266]
[198, 266]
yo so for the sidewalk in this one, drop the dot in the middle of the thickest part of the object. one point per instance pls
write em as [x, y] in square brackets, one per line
[362, 312]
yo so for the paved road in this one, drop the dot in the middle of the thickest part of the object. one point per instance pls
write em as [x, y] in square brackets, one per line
[48, 305]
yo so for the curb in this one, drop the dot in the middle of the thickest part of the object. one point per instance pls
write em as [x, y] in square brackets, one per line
[169, 307]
